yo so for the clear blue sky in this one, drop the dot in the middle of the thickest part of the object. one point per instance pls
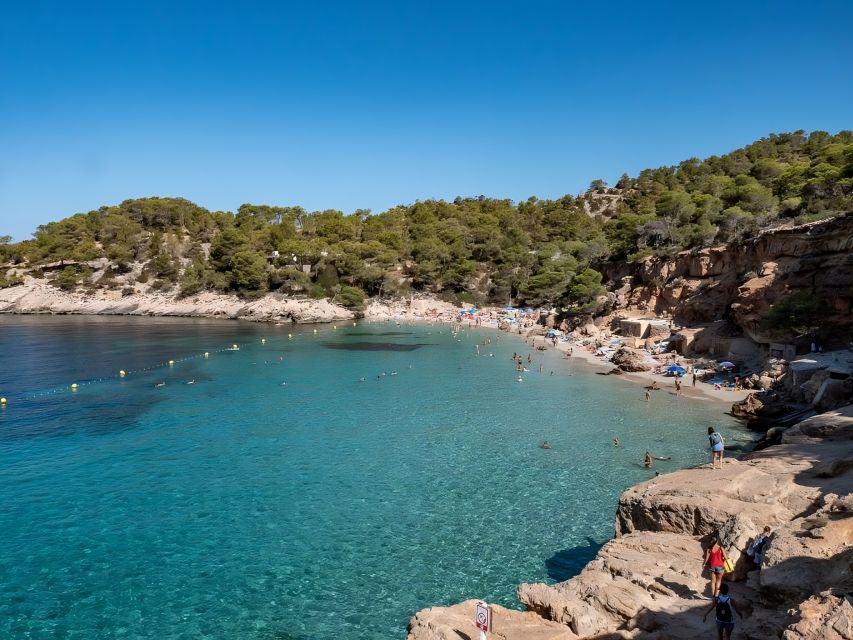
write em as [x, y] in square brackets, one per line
[370, 104]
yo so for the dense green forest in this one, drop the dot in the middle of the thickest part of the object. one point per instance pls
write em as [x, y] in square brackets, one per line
[472, 249]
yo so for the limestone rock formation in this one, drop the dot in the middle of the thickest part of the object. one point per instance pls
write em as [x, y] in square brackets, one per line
[743, 281]
[648, 581]
[457, 623]
[36, 296]
[629, 360]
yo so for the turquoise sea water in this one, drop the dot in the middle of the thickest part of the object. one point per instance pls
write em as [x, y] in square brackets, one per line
[241, 507]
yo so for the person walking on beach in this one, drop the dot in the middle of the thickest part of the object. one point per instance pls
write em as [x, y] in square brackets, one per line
[648, 395]
[677, 386]
[726, 608]
[715, 560]
[717, 447]
[694, 377]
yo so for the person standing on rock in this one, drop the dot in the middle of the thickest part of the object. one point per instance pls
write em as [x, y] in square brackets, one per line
[756, 550]
[715, 559]
[717, 447]
[725, 612]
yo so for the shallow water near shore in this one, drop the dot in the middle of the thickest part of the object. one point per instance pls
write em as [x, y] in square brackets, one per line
[279, 496]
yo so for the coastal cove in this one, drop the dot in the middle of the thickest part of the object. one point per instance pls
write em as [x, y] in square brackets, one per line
[280, 496]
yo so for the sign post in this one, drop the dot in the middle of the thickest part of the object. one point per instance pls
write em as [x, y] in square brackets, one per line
[483, 619]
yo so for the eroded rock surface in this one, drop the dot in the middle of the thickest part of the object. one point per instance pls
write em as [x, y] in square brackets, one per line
[648, 581]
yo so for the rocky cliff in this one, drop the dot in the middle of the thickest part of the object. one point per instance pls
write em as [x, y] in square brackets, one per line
[648, 582]
[36, 296]
[740, 282]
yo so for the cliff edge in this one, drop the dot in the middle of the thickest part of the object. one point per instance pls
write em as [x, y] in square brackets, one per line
[648, 582]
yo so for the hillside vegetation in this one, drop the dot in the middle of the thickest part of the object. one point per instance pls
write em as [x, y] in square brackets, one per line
[472, 249]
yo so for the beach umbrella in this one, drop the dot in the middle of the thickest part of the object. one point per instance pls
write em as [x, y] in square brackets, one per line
[727, 365]
[677, 369]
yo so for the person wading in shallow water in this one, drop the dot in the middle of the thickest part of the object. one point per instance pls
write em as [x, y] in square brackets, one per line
[715, 559]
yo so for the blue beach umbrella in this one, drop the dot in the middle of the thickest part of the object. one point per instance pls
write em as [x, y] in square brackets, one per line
[727, 365]
[677, 369]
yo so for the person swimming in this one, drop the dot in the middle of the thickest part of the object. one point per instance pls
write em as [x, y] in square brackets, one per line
[546, 445]
[191, 382]
[160, 384]
[647, 460]
[615, 442]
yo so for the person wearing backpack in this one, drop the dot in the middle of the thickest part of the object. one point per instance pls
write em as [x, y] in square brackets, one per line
[717, 447]
[726, 610]
[756, 550]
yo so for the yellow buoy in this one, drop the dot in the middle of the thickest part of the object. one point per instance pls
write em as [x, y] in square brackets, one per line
[335, 327]
[315, 331]
[206, 354]
[3, 402]
[121, 374]
[290, 336]
[74, 386]
[235, 347]
[353, 324]
[171, 363]
[263, 340]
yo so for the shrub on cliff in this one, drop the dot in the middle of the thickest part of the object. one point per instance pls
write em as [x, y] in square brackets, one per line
[800, 313]
[351, 298]
[67, 279]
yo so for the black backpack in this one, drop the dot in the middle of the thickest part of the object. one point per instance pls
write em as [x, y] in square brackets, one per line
[724, 609]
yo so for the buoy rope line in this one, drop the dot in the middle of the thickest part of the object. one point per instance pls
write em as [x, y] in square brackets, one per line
[121, 375]
[75, 386]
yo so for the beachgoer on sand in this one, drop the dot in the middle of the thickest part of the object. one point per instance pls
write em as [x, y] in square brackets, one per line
[725, 610]
[717, 447]
[715, 560]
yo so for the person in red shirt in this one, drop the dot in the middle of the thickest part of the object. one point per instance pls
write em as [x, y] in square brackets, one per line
[715, 559]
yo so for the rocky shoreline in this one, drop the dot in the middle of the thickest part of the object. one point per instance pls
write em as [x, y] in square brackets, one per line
[647, 582]
[36, 296]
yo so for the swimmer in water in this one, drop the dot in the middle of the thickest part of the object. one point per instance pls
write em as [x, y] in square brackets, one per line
[191, 382]
[160, 384]
[647, 461]
[283, 384]
[615, 442]
[361, 380]
[519, 379]
[546, 445]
